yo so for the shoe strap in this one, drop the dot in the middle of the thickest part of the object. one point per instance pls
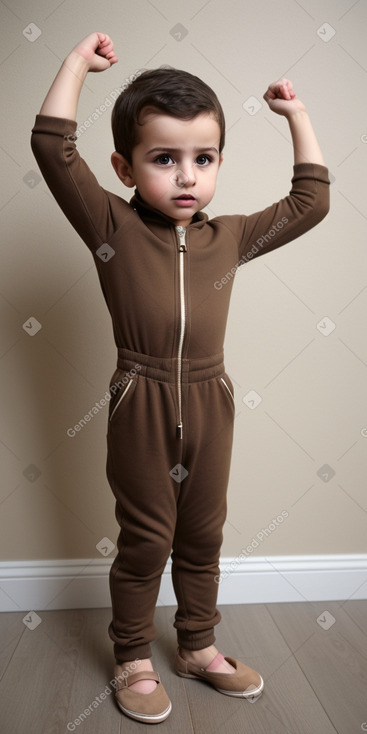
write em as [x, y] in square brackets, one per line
[128, 680]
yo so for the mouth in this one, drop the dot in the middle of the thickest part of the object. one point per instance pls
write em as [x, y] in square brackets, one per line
[185, 197]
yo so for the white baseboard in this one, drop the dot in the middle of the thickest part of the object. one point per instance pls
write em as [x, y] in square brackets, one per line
[83, 584]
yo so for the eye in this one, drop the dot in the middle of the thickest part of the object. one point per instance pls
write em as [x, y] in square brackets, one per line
[203, 159]
[163, 159]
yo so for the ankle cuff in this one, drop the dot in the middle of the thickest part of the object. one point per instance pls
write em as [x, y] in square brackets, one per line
[196, 642]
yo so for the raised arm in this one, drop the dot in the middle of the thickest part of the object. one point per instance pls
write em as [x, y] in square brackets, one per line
[282, 99]
[93, 53]
[88, 207]
[308, 200]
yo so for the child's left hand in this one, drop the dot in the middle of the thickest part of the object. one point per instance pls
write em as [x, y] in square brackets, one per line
[282, 99]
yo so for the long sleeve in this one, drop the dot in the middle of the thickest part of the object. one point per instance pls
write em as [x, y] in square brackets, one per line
[93, 212]
[305, 206]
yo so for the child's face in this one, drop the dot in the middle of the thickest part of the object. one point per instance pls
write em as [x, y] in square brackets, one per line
[175, 159]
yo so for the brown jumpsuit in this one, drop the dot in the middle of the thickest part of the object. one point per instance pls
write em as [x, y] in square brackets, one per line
[171, 411]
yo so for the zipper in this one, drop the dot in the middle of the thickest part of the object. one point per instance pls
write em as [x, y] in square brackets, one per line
[121, 398]
[182, 248]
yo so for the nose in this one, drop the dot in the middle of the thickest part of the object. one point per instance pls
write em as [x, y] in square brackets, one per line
[184, 176]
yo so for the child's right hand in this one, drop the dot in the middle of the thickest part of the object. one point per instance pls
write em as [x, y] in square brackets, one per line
[97, 50]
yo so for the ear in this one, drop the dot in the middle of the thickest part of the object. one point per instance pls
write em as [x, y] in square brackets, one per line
[123, 169]
[220, 160]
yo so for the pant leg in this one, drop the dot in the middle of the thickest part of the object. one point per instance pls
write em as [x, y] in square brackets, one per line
[142, 449]
[201, 509]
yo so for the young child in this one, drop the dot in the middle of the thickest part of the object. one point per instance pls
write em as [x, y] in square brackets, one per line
[164, 270]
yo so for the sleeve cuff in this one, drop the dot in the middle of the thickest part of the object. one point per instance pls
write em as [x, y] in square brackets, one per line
[310, 170]
[54, 125]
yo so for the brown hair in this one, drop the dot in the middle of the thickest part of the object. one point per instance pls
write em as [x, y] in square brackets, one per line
[172, 91]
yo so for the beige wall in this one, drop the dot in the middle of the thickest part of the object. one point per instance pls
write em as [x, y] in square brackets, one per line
[313, 387]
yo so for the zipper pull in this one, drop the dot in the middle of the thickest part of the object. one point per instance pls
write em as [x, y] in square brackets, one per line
[179, 430]
[181, 232]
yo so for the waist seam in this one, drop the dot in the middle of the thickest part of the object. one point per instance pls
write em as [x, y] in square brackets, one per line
[165, 368]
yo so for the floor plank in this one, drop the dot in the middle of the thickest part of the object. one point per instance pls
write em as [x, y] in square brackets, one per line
[249, 633]
[315, 678]
[11, 632]
[332, 656]
[357, 611]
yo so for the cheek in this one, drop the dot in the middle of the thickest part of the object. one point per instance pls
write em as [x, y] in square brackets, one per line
[157, 180]
[211, 180]
[166, 186]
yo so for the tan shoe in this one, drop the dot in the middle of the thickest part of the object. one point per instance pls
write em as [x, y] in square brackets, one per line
[150, 708]
[244, 683]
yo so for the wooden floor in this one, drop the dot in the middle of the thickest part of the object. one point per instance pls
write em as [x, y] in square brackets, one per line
[315, 672]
